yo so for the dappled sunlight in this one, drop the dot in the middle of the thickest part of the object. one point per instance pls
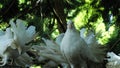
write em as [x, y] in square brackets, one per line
[79, 19]
[3, 25]
[55, 33]
[21, 1]
[111, 29]
[104, 35]
[35, 67]
[100, 27]
[1, 5]
[71, 12]
[88, 1]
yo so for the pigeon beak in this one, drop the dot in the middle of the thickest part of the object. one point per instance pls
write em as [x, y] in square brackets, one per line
[69, 26]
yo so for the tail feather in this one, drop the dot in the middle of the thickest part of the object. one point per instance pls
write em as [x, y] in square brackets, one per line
[97, 52]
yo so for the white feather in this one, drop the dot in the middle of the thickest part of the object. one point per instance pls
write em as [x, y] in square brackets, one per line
[113, 61]
[59, 38]
[94, 48]
[22, 34]
[6, 41]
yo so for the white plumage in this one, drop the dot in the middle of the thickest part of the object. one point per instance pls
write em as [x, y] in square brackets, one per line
[22, 34]
[52, 51]
[15, 37]
[2, 32]
[72, 46]
[59, 38]
[113, 61]
[94, 48]
[6, 40]
[77, 49]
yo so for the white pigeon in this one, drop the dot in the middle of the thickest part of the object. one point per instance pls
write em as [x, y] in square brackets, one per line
[22, 34]
[94, 47]
[73, 47]
[113, 61]
[15, 37]
[77, 48]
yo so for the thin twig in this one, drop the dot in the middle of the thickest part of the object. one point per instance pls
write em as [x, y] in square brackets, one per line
[114, 44]
[9, 7]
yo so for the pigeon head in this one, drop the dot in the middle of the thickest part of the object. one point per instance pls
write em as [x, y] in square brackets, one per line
[70, 24]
